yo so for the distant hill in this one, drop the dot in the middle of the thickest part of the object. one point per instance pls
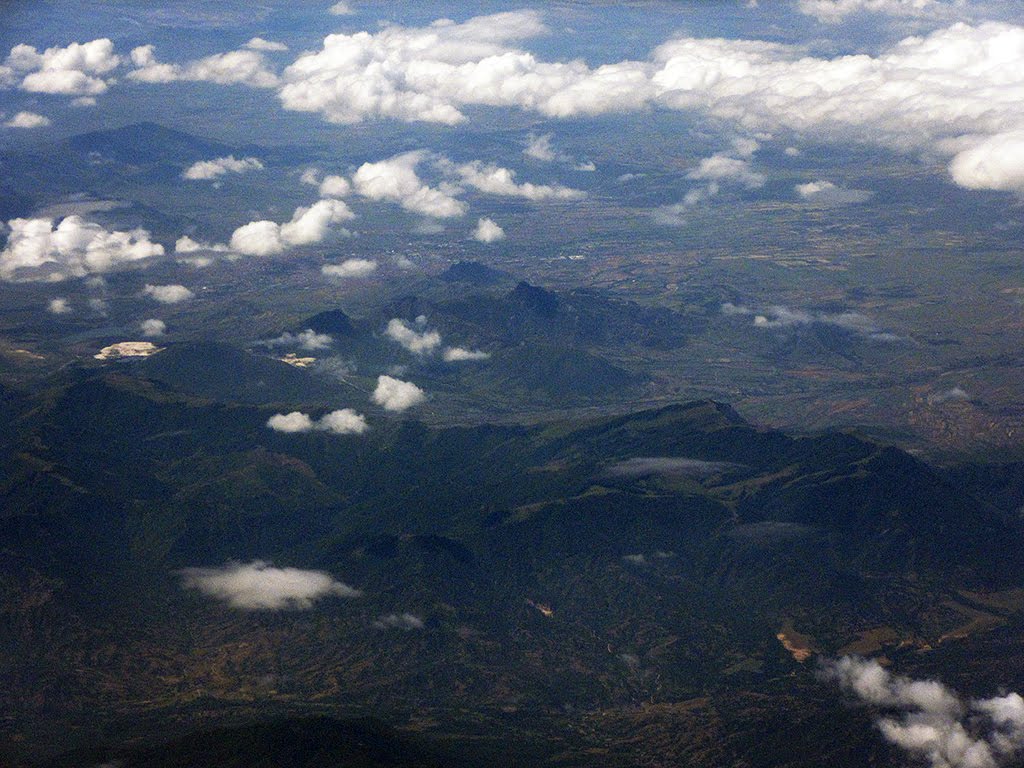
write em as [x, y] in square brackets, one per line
[145, 143]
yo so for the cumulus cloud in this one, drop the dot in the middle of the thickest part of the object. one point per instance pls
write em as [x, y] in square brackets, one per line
[487, 231]
[396, 395]
[395, 180]
[153, 327]
[827, 193]
[168, 294]
[335, 186]
[945, 93]
[406, 621]
[540, 147]
[74, 70]
[259, 44]
[308, 339]
[460, 354]
[27, 120]
[341, 422]
[307, 226]
[341, 9]
[186, 244]
[290, 422]
[993, 163]
[930, 722]
[350, 268]
[241, 67]
[212, 169]
[36, 250]
[58, 306]
[495, 180]
[260, 586]
[731, 166]
[429, 73]
[417, 342]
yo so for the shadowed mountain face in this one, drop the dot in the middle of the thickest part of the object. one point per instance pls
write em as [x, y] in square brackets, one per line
[564, 584]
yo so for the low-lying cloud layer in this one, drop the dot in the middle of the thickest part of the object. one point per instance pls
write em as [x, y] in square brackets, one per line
[775, 317]
[930, 722]
[670, 466]
[953, 93]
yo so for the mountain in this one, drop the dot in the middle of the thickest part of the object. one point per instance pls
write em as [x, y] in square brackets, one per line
[147, 143]
[569, 582]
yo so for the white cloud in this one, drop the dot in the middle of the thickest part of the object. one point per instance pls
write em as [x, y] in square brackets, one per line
[429, 73]
[417, 342]
[341, 9]
[723, 167]
[930, 722]
[153, 327]
[827, 193]
[290, 422]
[406, 621]
[350, 268]
[494, 180]
[36, 250]
[74, 70]
[993, 163]
[310, 176]
[307, 226]
[186, 244]
[259, 44]
[58, 306]
[731, 166]
[395, 395]
[242, 67]
[28, 120]
[168, 294]
[487, 231]
[341, 422]
[777, 316]
[460, 354]
[335, 186]
[211, 169]
[395, 180]
[260, 586]
[308, 339]
[945, 93]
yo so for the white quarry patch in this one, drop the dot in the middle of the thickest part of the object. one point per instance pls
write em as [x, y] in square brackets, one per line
[299, 362]
[128, 349]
